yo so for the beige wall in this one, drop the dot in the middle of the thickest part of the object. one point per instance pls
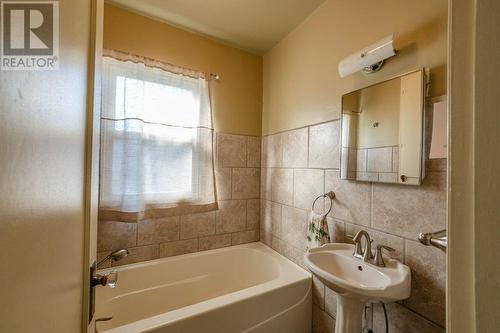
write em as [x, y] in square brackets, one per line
[237, 96]
[301, 83]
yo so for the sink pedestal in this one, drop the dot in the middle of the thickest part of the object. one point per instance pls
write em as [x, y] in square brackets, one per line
[349, 315]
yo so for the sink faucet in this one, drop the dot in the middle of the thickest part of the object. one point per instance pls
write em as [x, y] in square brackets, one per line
[366, 253]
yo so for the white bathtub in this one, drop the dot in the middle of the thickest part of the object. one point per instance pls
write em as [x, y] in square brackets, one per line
[245, 288]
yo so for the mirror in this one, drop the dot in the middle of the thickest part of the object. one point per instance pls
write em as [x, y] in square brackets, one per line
[382, 131]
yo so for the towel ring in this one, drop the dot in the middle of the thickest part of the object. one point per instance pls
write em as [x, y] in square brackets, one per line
[330, 195]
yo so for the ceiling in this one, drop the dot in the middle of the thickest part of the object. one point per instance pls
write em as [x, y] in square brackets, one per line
[252, 25]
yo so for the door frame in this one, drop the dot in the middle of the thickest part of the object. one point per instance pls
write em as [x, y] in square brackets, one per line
[92, 154]
[472, 293]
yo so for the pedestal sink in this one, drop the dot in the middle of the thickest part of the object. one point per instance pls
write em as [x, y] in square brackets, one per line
[356, 282]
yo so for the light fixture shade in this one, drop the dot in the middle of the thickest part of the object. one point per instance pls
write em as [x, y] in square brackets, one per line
[370, 55]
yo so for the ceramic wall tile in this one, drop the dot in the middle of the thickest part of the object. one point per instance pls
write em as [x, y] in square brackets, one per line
[324, 143]
[407, 210]
[223, 183]
[295, 148]
[253, 152]
[197, 225]
[245, 183]
[274, 151]
[178, 247]
[322, 322]
[115, 235]
[243, 237]
[139, 254]
[231, 150]
[308, 184]
[265, 183]
[158, 230]
[353, 199]
[282, 186]
[253, 214]
[402, 320]
[428, 268]
[294, 227]
[231, 216]
[214, 242]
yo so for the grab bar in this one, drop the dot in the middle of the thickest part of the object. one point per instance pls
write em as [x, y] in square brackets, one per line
[437, 239]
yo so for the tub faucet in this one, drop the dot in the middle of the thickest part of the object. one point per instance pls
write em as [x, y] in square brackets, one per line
[115, 256]
[366, 253]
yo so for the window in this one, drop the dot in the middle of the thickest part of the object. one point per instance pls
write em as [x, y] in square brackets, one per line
[156, 141]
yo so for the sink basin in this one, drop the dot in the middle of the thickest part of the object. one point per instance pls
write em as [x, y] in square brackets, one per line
[357, 282]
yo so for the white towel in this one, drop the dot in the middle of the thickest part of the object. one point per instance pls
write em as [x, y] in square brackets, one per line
[317, 230]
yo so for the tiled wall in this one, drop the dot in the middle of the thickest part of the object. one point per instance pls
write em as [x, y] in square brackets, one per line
[299, 165]
[237, 169]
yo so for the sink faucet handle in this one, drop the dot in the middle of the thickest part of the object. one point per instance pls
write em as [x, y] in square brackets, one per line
[379, 258]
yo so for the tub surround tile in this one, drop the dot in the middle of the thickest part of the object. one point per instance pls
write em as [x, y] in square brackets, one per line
[158, 230]
[253, 151]
[253, 214]
[265, 183]
[245, 183]
[139, 254]
[178, 247]
[295, 148]
[307, 185]
[266, 224]
[276, 219]
[231, 150]
[324, 144]
[244, 237]
[402, 320]
[231, 216]
[223, 183]
[116, 235]
[353, 199]
[428, 275]
[214, 242]
[197, 225]
[282, 186]
[407, 210]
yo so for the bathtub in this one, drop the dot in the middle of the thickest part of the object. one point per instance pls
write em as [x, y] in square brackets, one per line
[244, 288]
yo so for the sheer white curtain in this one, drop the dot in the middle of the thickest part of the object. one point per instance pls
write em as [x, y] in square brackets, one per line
[156, 141]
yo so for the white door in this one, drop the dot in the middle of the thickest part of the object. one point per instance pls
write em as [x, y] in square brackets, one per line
[43, 185]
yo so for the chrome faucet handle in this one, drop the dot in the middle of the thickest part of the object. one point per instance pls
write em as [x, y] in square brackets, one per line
[109, 280]
[379, 258]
